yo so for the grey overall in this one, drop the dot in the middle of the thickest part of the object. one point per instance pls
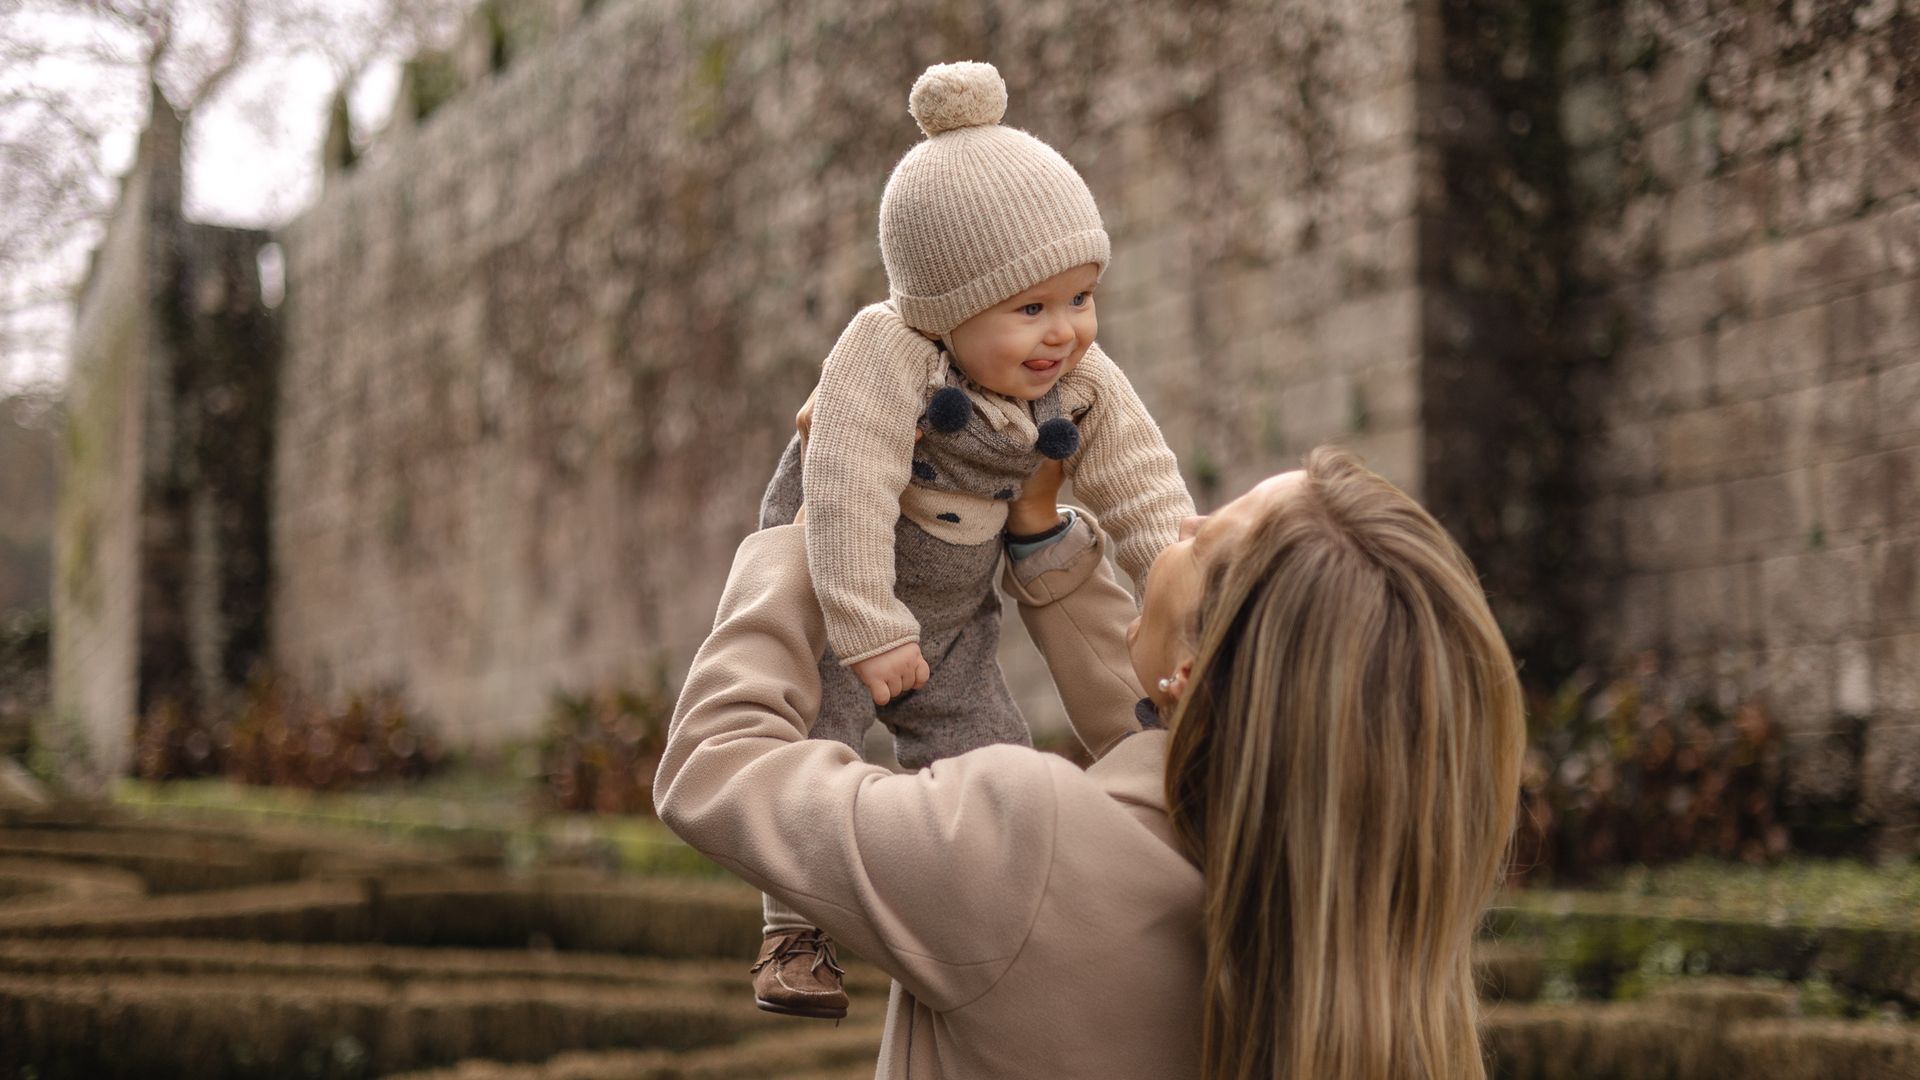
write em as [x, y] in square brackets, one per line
[949, 588]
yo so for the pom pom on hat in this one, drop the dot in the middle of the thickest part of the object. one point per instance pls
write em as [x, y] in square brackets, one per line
[950, 96]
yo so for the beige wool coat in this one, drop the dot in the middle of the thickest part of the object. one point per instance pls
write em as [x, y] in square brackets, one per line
[1037, 920]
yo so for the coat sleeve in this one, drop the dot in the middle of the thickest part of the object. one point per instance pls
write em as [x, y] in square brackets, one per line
[859, 458]
[935, 876]
[1124, 470]
[1077, 615]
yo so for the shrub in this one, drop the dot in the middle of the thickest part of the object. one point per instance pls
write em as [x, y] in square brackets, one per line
[599, 750]
[1614, 776]
[275, 736]
[24, 639]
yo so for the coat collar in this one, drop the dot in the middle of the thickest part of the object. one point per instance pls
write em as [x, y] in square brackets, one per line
[1134, 774]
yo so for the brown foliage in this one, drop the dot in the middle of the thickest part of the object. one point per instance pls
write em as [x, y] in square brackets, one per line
[276, 736]
[600, 750]
[1613, 776]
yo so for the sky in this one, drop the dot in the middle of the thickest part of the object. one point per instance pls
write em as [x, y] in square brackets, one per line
[252, 158]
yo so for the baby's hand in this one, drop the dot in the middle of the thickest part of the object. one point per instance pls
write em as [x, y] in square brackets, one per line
[892, 673]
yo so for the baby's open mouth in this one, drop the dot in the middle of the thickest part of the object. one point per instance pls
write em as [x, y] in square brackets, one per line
[1041, 365]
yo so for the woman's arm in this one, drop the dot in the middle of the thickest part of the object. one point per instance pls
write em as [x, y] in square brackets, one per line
[1077, 615]
[934, 876]
[1075, 611]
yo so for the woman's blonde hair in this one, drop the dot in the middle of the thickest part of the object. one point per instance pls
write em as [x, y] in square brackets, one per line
[1346, 769]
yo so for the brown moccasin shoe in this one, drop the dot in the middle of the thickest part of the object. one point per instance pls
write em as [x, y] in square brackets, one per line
[796, 975]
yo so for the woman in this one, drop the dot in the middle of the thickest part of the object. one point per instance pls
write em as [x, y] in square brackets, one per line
[1284, 884]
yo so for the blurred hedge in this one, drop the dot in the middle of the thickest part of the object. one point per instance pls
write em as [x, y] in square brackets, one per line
[599, 750]
[274, 735]
[24, 641]
[1614, 775]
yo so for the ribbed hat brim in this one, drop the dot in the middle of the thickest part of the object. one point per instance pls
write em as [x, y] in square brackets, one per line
[939, 314]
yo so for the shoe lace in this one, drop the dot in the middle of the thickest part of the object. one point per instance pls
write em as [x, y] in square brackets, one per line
[808, 941]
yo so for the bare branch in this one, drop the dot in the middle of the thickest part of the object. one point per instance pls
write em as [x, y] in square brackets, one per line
[56, 137]
[239, 25]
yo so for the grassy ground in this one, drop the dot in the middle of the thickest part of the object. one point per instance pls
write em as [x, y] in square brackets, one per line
[469, 807]
[496, 806]
[1803, 892]
[1796, 891]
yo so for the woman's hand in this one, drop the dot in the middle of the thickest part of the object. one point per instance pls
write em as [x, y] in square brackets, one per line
[892, 673]
[1037, 508]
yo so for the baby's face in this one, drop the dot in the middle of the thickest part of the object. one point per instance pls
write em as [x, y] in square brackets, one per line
[1021, 346]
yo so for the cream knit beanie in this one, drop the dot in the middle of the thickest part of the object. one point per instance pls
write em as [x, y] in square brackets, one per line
[977, 212]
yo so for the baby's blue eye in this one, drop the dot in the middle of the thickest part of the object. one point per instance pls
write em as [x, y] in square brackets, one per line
[1032, 309]
[1080, 299]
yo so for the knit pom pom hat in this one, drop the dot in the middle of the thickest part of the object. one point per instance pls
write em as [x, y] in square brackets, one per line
[978, 212]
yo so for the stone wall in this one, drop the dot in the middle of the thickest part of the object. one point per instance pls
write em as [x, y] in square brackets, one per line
[97, 584]
[30, 423]
[1748, 179]
[160, 578]
[545, 344]
[1624, 291]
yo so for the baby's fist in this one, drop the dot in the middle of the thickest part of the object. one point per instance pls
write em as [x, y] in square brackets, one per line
[892, 673]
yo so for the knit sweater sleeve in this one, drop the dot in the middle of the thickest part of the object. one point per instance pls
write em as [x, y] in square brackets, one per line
[1124, 471]
[859, 458]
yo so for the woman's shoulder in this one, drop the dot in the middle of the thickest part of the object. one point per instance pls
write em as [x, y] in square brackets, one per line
[1124, 791]
[1033, 785]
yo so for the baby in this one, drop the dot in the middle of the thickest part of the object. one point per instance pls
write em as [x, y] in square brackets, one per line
[931, 411]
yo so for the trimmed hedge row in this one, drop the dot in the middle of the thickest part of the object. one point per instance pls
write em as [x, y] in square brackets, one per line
[177, 857]
[1660, 1040]
[187, 957]
[1600, 941]
[167, 864]
[39, 883]
[815, 1052]
[582, 910]
[303, 911]
[1508, 970]
[244, 1028]
[568, 910]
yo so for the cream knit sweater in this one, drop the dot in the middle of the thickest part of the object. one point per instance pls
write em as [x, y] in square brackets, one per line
[873, 389]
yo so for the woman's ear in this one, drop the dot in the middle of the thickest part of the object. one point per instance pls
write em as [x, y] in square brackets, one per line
[1182, 675]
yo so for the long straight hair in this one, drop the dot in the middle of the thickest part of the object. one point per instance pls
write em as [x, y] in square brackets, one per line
[1345, 768]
